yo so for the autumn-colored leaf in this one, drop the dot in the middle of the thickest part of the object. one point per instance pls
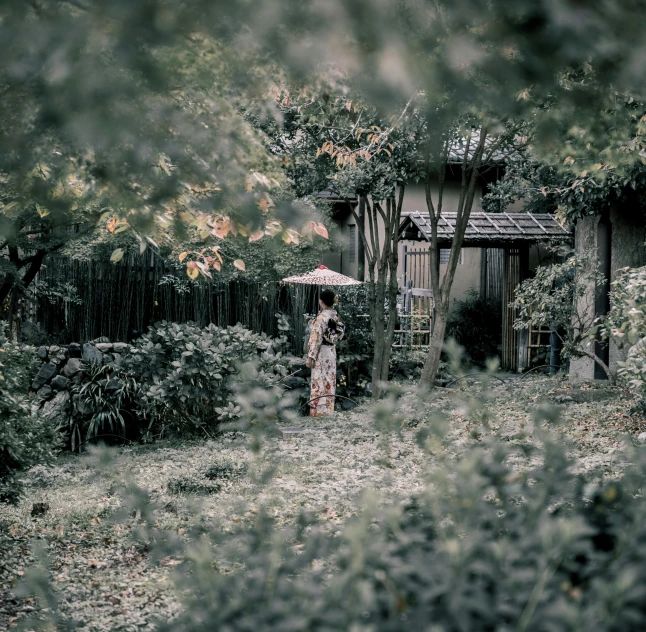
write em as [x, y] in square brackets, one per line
[221, 228]
[192, 270]
[42, 211]
[321, 230]
[182, 256]
[117, 255]
[217, 254]
[257, 235]
[204, 269]
[239, 265]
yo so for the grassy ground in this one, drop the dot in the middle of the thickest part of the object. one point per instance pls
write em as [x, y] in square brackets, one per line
[106, 579]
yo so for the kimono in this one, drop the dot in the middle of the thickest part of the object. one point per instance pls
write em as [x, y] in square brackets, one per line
[321, 349]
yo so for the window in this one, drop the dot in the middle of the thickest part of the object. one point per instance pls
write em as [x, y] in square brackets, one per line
[353, 243]
[444, 256]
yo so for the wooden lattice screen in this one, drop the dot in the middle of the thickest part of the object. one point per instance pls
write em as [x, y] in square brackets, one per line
[512, 278]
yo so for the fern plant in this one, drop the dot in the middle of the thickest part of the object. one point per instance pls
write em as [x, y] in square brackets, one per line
[105, 403]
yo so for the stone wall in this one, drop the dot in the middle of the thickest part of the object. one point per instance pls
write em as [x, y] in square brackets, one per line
[61, 367]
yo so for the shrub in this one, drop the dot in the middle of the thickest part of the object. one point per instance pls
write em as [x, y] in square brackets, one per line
[484, 547]
[556, 298]
[407, 364]
[356, 348]
[475, 324]
[105, 403]
[24, 439]
[187, 372]
[189, 485]
[626, 323]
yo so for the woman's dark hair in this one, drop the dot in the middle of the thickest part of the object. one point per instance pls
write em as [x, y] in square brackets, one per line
[328, 296]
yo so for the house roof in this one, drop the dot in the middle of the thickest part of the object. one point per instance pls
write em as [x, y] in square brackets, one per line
[490, 229]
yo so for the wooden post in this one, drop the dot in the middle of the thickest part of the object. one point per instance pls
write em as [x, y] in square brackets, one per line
[361, 250]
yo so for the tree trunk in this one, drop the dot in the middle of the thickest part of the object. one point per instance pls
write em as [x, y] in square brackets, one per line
[432, 363]
[393, 290]
[378, 326]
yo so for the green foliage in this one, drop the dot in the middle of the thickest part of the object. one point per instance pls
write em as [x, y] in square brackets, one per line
[626, 323]
[355, 349]
[25, 440]
[105, 404]
[561, 296]
[474, 323]
[226, 471]
[591, 170]
[188, 485]
[187, 372]
[484, 547]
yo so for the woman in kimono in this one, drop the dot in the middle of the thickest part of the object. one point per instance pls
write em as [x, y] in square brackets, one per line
[326, 329]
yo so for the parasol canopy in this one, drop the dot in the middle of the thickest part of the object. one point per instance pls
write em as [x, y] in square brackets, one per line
[322, 276]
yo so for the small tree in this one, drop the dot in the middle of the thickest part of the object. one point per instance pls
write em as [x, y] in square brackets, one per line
[339, 143]
[561, 296]
[472, 143]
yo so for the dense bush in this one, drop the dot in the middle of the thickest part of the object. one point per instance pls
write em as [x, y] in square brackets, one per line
[24, 440]
[186, 372]
[106, 404]
[474, 323]
[627, 325]
[355, 349]
[484, 547]
[549, 298]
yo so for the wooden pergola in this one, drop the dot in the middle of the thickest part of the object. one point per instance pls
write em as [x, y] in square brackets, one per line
[513, 233]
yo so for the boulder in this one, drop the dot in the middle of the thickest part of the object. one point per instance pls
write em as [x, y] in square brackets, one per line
[104, 347]
[91, 354]
[42, 353]
[55, 411]
[44, 392]
[293, 382]
[59, 356]
[74, 350]
[121, 347]
[46, 373]
[60, 383]
[346, 404]
[72, 367]
[295, 363]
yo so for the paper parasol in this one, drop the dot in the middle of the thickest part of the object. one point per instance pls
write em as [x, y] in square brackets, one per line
[322, 276]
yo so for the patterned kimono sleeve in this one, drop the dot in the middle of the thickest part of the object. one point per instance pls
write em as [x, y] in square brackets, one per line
[316, 338]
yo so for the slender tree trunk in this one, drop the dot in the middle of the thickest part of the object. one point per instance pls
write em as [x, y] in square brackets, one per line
[442, 292]
[393, 290]
[378, 327]
[432, 363]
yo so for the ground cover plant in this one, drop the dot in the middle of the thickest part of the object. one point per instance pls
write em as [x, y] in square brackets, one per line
[25, 441]
[246, 498]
